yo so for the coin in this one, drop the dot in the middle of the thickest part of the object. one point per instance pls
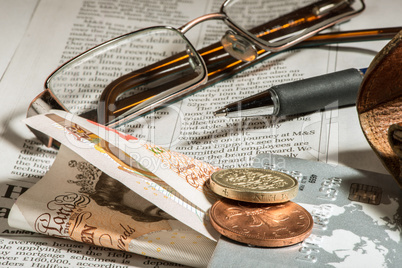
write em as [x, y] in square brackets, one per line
[265, 225]
[254, 185]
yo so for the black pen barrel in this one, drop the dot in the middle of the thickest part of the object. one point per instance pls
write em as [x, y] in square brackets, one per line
[321, 92]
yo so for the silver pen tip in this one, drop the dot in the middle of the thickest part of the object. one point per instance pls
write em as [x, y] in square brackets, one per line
[221, 112]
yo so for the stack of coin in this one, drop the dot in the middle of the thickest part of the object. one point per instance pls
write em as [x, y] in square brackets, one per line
[257, 209]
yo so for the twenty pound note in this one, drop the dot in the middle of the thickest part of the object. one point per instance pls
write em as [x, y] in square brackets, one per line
[111, 189]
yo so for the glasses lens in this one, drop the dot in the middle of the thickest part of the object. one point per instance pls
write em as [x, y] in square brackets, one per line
[141, 67]
[281, 22]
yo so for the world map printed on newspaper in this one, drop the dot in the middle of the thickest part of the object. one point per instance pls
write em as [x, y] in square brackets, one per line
[357, 219]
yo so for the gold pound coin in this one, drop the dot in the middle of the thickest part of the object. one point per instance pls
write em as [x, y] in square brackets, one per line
[254, 185]
[264, 225]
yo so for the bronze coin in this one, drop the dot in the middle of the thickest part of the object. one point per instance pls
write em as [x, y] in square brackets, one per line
[265, 225]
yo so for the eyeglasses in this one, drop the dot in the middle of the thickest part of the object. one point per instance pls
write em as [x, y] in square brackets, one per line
[130, 75]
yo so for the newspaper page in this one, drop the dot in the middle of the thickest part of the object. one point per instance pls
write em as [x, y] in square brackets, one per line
[58, 30]
[14, 19]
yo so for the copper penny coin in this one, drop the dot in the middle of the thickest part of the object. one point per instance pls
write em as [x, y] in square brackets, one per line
[265, 225]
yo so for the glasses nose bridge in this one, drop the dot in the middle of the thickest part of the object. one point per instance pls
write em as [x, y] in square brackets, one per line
[211, 16]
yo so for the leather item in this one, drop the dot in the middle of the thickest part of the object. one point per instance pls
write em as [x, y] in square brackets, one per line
[395, 140]
[379, 106]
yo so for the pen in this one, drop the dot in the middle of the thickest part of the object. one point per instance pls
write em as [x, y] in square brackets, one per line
[326, 91]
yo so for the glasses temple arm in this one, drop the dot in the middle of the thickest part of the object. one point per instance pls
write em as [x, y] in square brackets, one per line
[351, 36]
[222, 67]
[212, 16]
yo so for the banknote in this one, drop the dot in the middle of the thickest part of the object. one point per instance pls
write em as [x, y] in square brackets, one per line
[158, 175]
[76, 200]
[184, 174]
[110, 189]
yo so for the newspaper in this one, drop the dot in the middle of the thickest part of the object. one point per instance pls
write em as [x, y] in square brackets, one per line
[45, 33]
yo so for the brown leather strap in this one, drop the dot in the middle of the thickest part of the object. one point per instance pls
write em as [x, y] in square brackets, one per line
[379, 105]
[395, 140]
